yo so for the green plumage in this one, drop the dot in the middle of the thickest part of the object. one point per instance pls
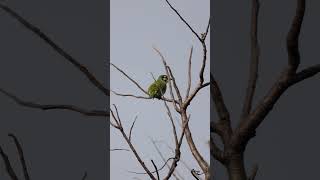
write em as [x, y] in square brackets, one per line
[158, 88]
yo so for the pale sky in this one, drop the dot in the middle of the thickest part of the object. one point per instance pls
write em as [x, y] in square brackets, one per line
[135, 27]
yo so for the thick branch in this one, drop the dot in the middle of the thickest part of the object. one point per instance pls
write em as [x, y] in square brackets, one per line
[253, 74]
[56, 48]
[246, 128]
[86, 112]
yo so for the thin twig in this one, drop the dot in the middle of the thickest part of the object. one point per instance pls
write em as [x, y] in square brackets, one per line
[131, 128]
[119, 149]
[189, 73]
[166, 162]
[194, 174]
[153, 76]
[156, 169]
[21, 156]
[175, 174]
[132, 80]
[194, 32]
[7, 163]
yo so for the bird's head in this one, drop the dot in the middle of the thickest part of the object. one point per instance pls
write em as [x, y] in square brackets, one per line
[164, 78]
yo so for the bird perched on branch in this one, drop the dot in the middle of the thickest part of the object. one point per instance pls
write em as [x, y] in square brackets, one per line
[158, 88]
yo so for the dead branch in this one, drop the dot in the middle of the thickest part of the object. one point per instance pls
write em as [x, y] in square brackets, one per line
[29, 104]
[132, 80]
[254, 65]
[119, 149]
[189, 73]
[7, 163]
[175, 174]
[156, 169]
[246, 129]
[37, 31]
[120, 128]
[21, 156]
[131, 128]
[142, 97]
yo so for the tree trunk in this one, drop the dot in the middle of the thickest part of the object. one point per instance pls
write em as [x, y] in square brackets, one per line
[235, 167]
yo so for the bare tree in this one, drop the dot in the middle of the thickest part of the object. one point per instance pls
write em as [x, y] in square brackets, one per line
[235, 140]
[179, 103]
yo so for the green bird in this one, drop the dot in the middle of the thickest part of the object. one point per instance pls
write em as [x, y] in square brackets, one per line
[158, 88]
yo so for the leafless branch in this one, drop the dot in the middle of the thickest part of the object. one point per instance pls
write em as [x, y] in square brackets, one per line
[293, 37]
[172, 79]
[86, 112]
[132, 80]
[7, 163]
[306, 73]
[172, 123]
[183, 20]
[189, 73]
[166, 162]
[254, 65]
[156, 169]
[143, 97]
[175, 174]
[119, 149]
[21, 156]
[177, 150]
[56, 48]
[224, 124]
[172, 149]
[119, 124]
[194, 174]
[288, 77]
[153, 76]
[131, 128]
[84, 177]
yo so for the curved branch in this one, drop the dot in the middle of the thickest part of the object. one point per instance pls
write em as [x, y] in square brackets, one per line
[7, 163]
[21, 155]
[98, 113]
